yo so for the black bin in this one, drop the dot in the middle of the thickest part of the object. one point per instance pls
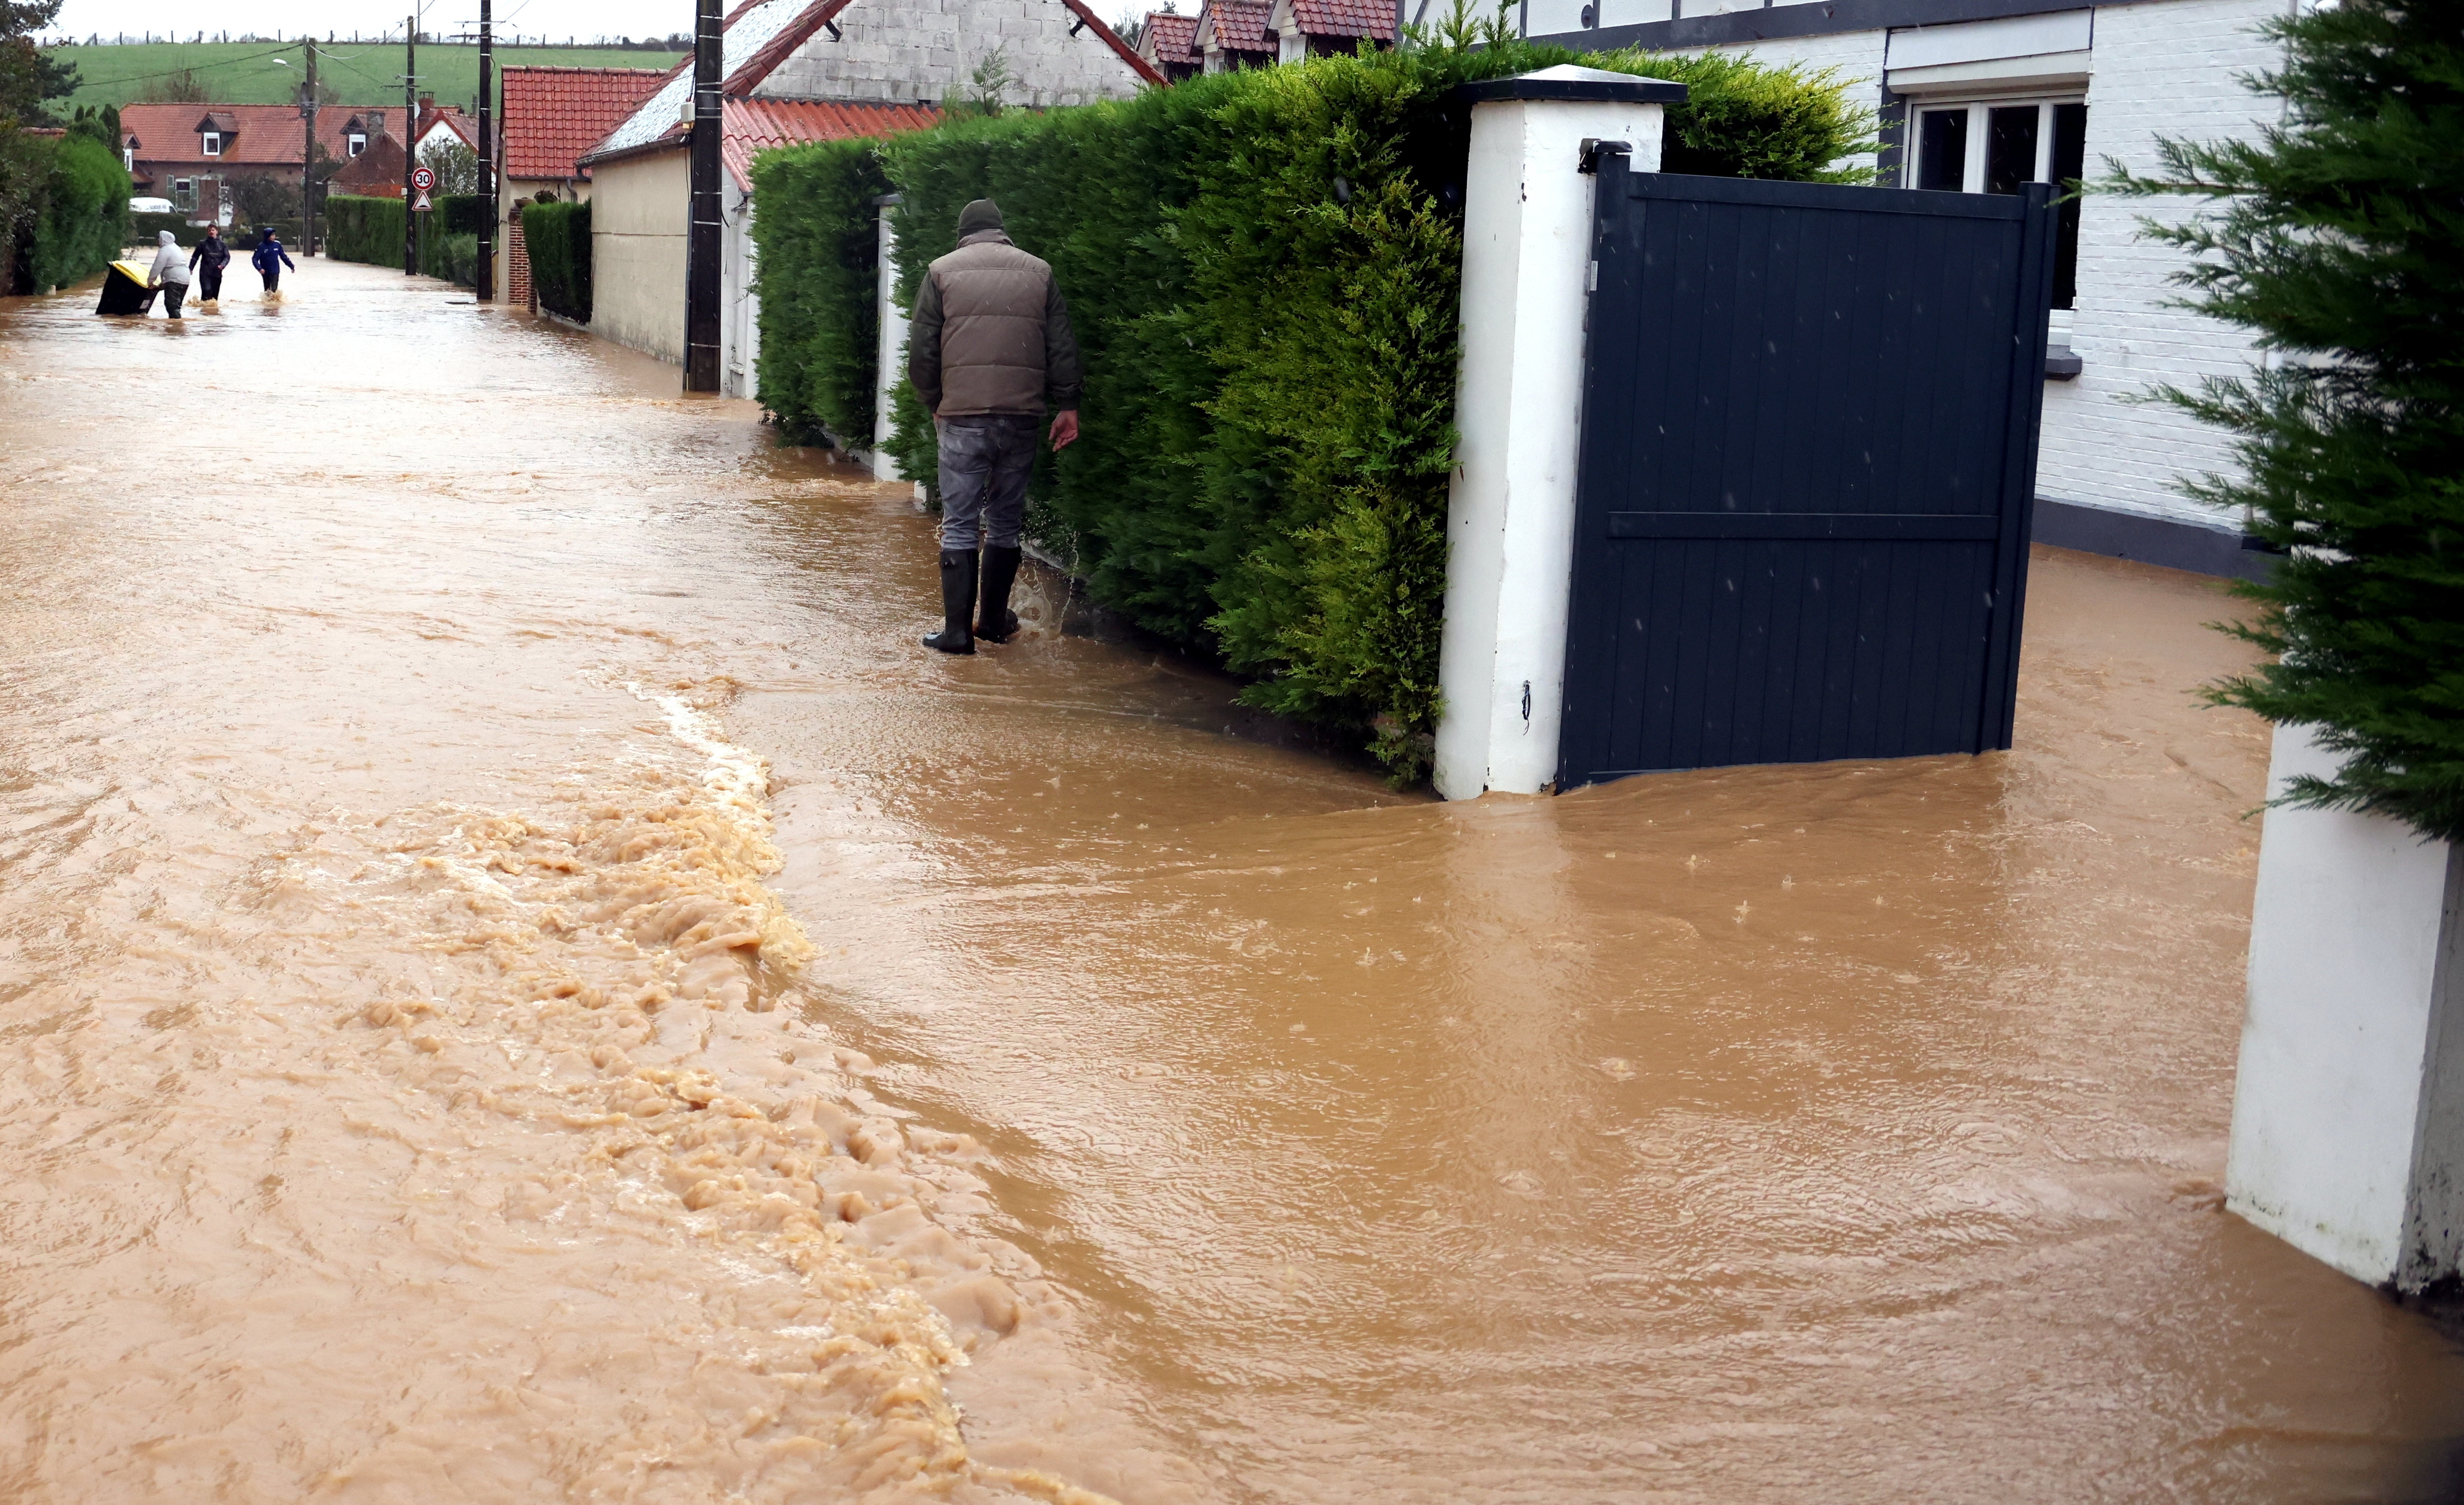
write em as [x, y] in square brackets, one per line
[124, 290]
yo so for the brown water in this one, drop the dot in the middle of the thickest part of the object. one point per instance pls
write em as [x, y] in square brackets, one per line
[520, 982]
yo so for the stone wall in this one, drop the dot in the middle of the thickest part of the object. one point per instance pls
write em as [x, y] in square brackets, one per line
[930, 49]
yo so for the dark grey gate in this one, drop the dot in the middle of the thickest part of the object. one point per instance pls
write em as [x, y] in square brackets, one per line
[1807, 457]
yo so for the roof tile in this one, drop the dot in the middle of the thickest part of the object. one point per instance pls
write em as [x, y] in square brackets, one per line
[554, 115]
[754, 127]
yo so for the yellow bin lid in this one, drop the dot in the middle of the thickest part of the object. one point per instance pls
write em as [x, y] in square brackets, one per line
[130, 270]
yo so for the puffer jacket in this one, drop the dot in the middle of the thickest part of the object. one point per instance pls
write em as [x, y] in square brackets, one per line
[991, 333]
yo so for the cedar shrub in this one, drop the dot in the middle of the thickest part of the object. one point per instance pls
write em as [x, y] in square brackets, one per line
[2339, 238]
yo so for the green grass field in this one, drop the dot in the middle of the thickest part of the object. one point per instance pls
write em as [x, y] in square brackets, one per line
[364, 72]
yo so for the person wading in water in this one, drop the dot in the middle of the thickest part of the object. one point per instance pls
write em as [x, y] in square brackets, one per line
[171, 274]
[207, 260]
[989, 350]
[269, 260]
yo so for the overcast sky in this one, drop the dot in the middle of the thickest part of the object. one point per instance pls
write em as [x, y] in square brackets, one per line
[526, 19]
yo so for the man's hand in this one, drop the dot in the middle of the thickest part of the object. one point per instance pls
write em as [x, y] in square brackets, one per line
[1064, 429]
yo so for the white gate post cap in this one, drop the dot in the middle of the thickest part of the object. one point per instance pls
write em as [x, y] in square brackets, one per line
[1574, 81]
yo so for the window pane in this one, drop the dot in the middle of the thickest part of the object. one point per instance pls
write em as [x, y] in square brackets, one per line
[1942, 149]
[2010, 147]
[2069, 163]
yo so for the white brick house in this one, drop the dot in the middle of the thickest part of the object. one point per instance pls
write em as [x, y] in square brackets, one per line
[811, 70]
[1977, 95]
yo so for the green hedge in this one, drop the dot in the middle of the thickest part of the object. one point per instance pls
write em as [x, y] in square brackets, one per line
[557, 239]
[363, 227]
[819, 265]
[1264, 272]
[83, 222]
[369, 229]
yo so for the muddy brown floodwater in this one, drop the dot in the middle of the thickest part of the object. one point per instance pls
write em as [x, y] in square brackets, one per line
[520, 982]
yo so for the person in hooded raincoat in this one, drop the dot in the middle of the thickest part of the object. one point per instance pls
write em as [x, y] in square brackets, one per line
[171, 274]
[269, 260]
[207, 260]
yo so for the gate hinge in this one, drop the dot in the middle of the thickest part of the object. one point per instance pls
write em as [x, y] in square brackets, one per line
[1593, 148]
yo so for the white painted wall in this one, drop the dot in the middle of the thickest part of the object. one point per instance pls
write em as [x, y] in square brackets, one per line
[890, 366]
[638, 212]
[1510, 519]
[739, 303]
[2348, 1108]
[902, 50]
[2166, 67]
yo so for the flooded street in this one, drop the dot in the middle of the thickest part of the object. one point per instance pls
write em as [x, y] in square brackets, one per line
[520, 981]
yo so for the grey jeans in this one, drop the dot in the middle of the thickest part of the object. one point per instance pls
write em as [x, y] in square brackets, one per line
[984, 461]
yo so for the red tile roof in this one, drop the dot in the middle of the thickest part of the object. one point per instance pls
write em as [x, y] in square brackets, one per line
[259, 135]
[754, 127]
[464, 126]
[1345, 18]
[1167, 38]
[554, 115]
[1239, 26]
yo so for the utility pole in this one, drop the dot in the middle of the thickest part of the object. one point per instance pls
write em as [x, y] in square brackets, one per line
[409, 128]
[308, 157]
[487, 268]
[701, 244]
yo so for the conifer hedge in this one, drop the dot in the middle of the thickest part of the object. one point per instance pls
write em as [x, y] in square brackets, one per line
[368, 228]
[557, 237]
[1262, 270]
[2340, 242]
[83, 221]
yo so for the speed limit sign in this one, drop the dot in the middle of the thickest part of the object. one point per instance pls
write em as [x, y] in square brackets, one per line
[422, 178]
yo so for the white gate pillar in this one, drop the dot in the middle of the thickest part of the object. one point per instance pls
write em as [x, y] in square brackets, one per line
[2348, 1106]
[1518, 411]
[890, 361]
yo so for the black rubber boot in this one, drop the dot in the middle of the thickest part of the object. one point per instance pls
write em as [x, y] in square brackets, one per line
[958, 601]
[996, 622]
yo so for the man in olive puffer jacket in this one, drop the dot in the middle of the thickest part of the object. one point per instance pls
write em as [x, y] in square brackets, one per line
[989, 351]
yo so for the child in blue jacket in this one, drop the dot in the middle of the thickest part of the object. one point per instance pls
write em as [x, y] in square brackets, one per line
[271, 258]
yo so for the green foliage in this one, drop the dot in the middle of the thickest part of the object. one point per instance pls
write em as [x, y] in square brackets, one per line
[369, 229]
[1264, 272]
[818, 259]
[557, 239]
[2339, 239]
[365, 229]
[456, 166]
[367, 73]
[83, 223]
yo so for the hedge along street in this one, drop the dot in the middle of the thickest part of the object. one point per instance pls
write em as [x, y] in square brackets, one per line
[1264, 269]
[369, 228]
[557, 239]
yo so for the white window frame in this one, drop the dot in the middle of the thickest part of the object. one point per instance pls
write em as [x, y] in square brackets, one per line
[1292, 47]
[212, 141]
[128, 158]
[356, 143]
[1972, 176]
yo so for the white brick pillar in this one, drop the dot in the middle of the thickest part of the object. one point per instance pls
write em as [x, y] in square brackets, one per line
[2349, 1107]
[1511, 519]
[890, 363]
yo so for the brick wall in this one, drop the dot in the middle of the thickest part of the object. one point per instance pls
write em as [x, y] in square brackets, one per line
[929, 49]
[518, 267]
[2164, 68]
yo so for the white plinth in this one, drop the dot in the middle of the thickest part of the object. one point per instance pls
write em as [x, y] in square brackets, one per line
[1510, 519]
[890, 365]
[2348, 1108]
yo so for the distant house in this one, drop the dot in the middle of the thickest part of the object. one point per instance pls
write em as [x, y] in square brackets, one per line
[187, 153]
[444, 123]
[801, 70]
[550, 117]
[1232, 33]
[1316, 27]
[376, 167]
[1169, 42]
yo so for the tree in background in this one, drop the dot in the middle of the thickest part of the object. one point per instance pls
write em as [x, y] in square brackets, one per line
[2339, 239]
[455, 164]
